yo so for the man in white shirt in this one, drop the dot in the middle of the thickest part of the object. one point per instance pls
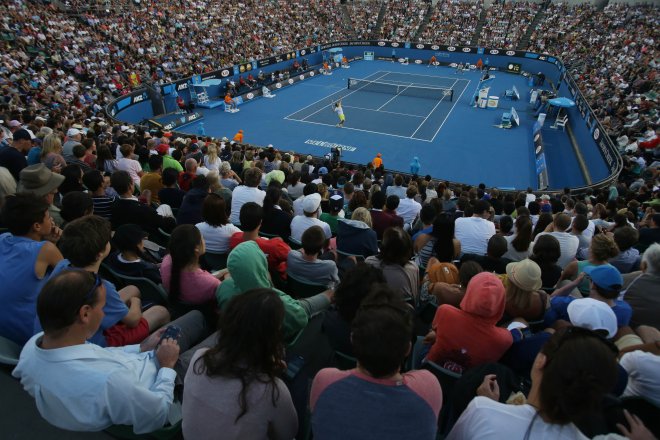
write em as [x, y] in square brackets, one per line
[81, 386]
[408, 208]
[249, 192]
[568, 243]
[311, 206]
[474, 232]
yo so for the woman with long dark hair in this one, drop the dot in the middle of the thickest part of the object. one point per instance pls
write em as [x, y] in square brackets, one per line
[276, 221]
[570, 377]
[440, 243]
[518, 244]
[183, 278]
[232, 389]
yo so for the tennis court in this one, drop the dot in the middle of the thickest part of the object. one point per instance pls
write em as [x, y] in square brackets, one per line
[405, 105]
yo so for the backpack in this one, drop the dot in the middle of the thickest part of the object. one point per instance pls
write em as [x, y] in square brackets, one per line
[442, 273]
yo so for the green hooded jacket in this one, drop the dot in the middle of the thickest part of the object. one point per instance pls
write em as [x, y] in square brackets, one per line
[248, 268]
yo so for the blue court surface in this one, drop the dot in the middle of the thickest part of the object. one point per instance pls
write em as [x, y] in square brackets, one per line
[412, 114]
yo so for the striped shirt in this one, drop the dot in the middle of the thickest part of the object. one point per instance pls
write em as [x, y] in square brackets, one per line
[103, 206]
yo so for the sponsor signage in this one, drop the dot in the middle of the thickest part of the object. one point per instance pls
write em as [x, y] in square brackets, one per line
[179, 121]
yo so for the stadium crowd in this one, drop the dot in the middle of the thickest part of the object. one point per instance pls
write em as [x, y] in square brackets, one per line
[453, 22]
[364, 18]
[506, 23]
[402, 271]
[402, 19]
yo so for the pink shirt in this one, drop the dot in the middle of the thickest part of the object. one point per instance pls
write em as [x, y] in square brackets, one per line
[132, 167]
[197, 287]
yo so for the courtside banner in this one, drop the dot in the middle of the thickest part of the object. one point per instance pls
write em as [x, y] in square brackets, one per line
[280, 58]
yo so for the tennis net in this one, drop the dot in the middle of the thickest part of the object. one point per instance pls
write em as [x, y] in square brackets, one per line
[436, 93]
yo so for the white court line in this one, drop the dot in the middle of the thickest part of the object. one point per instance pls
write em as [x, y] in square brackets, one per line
[382, 111]
[395, 96]
[359, 129]
[348, 94]
[436, 106]
[325, 97]
[450, 110]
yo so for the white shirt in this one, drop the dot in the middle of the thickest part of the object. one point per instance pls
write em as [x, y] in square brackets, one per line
[486, 419]
[132, 167]
[301, 223]
[217, 237]
[568, 245]
[473, 233]
[512, 253]
[89, 388]
[240, 196]
[408, 209]
[643, 375]
[212, 165]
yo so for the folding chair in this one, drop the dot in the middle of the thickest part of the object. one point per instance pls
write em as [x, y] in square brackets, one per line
[303, 289]
[9, 351]
[294, 244]
[447, 379]
[213, 261]
[149, 291]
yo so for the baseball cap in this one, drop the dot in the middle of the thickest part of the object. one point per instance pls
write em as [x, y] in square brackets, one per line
[276, 175]
[525, 274]
[546, 207]
[14, 123]
[23, 134]
[163, 149]
[323, 170]
[336, 202]
[592, 314]
[167, 134]
[311, 203]
[605, 276]
[72, 132]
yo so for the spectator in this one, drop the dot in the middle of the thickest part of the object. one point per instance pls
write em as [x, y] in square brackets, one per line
[401, 274]
[215, 228]
[568, 243]
[524, 299]
[651, 233]
[27, 253]
[249, 192]
[546, 253]
[356, 236]
[641, 290]
[181, 273]
[248, 269]
[559, 395]
[131, 166]
[171, 195]
[409, 208]
[311, 206]
[76, 204]
[96, 184]
[628, 257]
[168, 161]
[305, 264]
[130, 257]
[392, 404]
[130, 386]
[233, 387]
[467, 337]
[473, 232]
[275, 221]
[190, 211]
[40, 181]
[153, 180]
[605, 283]
[129, 210]
[519, 244]
[13, 157]
[494, 260]
[440, 243]
[73, 138]
[51, 153]
[276, 250]
[383, 213]
[601, 250]
[335, 213]
[397, 189]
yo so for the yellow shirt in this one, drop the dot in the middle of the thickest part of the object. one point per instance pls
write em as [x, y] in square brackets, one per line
[152, 182]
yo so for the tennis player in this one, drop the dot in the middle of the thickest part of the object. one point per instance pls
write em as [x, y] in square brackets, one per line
[432, 61]
[340, 113]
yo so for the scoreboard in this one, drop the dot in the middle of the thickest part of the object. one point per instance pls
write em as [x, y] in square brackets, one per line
[513, 67]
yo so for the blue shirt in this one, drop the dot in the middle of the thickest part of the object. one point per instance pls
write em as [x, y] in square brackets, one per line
[559, 310]
[34, 156]
[115, 310]
[20, 286]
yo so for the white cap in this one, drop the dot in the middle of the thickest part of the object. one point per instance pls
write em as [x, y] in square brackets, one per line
[311, 203]
[593, 314]
[73, 132]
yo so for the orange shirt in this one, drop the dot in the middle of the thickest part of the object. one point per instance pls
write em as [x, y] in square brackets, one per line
[228, 99]
[377, 162]
[238, 137]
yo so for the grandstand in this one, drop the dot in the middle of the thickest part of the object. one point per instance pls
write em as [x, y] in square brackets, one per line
[479, 234]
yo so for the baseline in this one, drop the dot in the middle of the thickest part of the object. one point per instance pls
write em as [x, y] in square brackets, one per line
[451, 109]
